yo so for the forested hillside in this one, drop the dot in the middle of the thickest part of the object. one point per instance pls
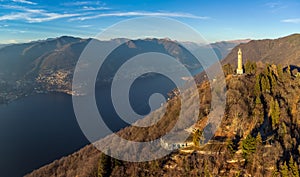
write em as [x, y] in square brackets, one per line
[258, 136]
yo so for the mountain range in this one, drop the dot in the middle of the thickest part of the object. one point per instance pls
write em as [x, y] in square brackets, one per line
[258, 136]
[48, 65]
[18, 60]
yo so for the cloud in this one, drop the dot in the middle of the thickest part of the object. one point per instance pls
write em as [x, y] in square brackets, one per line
[95, 8]
[33, 15]
[132, 14]
[272, 4]
[12, 7]
[49, 17]
[4, 26]
[85, 26]
[77, 3]
[15, 31]
[87, 5]
[35, 19]
[80, 3]
[21, 8]
[25, 2]
[9, 41]
[275, 6]
[291, 20]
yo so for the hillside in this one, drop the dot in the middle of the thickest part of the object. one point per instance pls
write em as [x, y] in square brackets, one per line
[223, 48]
[258, 136]
[284, 51]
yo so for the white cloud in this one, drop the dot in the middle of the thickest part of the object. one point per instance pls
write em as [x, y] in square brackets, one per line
[28, 17]
[15, 16]
[49, 17]
[25, 2]
[130, 14]
[291, 20]
[21, 8]
[10, 41]
[33, 15]
[80, 3]
[275, 6]
[85, 26]
[272, 4]
[94, 8]
[77, 3]
[12, 7]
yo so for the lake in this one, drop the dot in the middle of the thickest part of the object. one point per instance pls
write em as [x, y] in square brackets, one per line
[39, 129]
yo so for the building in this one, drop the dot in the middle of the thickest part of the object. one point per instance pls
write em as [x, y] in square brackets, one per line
[239, 69]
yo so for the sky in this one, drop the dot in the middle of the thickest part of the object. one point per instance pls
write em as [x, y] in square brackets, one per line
[215, 20]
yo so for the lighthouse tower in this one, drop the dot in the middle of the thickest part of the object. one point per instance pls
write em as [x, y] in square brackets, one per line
[239, 69]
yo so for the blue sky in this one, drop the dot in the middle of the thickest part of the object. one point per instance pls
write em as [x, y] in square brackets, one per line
[216, 20]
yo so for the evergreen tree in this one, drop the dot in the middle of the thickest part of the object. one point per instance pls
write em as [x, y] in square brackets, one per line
[280, 71]
[288, 70]
[197, 137]
[258, 139]
[275, 173]
[273, 81]
[230, 146]
[257, 88]
[284, 170]
[274, 112]
[265, 84]
[104, 167]
[257, 100]
[206, 171]
[228, 69]
[248, 146]
[282, 130]
[254, 67]
[116, 162]
[293, 168]
[248, 67]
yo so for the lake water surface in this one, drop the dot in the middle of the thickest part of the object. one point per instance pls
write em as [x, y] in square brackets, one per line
[39, 129]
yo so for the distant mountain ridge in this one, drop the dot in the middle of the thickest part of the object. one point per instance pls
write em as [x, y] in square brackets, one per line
[223, 48]
[284, 51]
[48, 65]
[3, 45]
[20, 59]
[28, 60]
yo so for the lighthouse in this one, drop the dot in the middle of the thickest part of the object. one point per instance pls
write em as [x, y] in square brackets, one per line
[239, 69]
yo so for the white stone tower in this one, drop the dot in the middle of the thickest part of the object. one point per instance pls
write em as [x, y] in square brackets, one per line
[239, 69]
